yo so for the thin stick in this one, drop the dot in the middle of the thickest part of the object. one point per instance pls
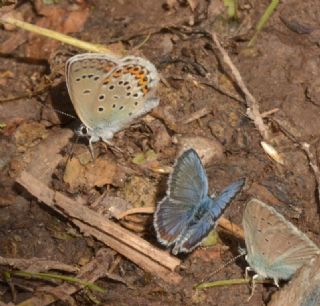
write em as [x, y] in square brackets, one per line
[230, 227]
[196, 115]
[305, 147]
[36, 264]
[224, 223]
[57, 36]
[136, 210]
[226, 282]
[231, 282]
[252, 105]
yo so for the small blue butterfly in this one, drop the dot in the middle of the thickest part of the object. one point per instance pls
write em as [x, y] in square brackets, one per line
[187, 214]
[276, 248]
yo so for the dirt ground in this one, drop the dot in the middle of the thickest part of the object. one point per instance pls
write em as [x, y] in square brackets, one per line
[281, 71]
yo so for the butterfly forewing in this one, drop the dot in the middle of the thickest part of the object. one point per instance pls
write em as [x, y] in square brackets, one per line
[84, 74]
[188, 181]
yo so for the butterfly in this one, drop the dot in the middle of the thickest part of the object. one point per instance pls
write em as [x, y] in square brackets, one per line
[187, 213]
[108, 93]
[276, 249]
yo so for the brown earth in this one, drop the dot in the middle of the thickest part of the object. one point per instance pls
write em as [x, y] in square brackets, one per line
[281, 71]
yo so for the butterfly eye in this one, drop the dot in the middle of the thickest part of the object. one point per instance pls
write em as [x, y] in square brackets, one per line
[83, 131]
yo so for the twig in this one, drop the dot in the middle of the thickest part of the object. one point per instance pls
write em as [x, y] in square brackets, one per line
[231, 282]
[230, 227]
[252, 105]
[56, 35]
[305, 147]
[196, 115]
[136, 210]
[36, 264]
[141, 252]
[224, 223]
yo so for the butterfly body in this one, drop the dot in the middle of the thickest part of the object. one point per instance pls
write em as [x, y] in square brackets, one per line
[186, 215]
[276, 249]
[108, 93]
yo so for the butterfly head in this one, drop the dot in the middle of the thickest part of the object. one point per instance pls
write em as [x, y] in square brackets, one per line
[94, 134]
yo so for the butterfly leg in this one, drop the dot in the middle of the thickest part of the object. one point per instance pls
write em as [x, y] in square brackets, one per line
[255, 279]
[92, 139]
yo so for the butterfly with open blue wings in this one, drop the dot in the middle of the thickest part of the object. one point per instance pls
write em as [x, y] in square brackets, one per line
[187, 213]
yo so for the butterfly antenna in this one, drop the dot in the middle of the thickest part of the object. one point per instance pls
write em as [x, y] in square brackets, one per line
[63, 113]
[242, 253]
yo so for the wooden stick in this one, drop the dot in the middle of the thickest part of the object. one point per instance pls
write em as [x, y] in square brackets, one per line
[56, 35]
[223, 222]
[252, 105]
[121, 240]
[230, 227]
[36, 264]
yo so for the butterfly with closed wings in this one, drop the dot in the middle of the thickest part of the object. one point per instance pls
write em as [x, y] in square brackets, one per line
[108, 93]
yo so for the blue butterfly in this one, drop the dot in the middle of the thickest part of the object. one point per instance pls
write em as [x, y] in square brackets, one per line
[187, 214]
